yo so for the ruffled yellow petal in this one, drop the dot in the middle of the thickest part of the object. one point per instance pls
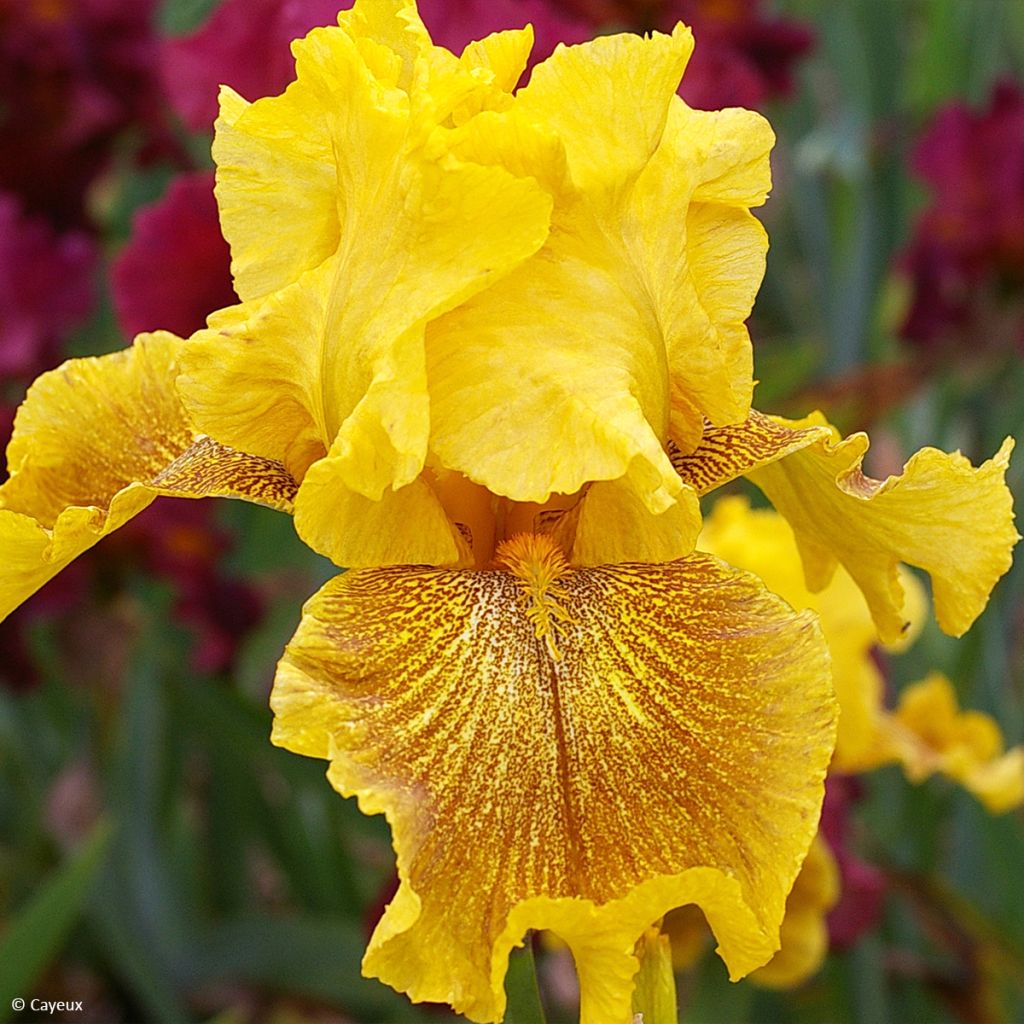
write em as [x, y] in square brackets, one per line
[576, 750]
[607, 100]
[390, 229]
[762, 542]
[804, 933]
[929, 733]
[306, 173]
[442, 89]
[95, 441]
[941, 514]
[503, 54]
[702, 255]
[560, 357]
[335, 360]
[393, 25]
[627, 327]
[277, 184]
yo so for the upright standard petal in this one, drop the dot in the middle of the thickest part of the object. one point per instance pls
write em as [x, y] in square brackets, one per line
[571, 749]
[702, 255]
[332, 359]
[95, 441]
[940, 514]
[630, 80]
[628, 324]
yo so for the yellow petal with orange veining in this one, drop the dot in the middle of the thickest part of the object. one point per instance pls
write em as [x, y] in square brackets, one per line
[940, 514]
[569, 749]
[95, 441]
[733, 450]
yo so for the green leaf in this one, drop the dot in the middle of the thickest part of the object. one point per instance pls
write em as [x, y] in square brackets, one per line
[37, 934]
[521, 989]
[315, 958]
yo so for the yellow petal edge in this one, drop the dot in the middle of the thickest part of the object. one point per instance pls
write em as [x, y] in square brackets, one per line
[94, 443]
[762, 542]
[940, 514]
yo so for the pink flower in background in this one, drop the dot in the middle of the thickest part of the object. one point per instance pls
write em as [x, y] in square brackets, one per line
[175, 269]
[454, 23]
[862, 886]
[744, 57]
[46, 290]
[73, 75]
[966, 257]
[244, 44]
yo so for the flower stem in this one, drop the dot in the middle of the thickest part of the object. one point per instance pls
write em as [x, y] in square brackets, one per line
[521, 988]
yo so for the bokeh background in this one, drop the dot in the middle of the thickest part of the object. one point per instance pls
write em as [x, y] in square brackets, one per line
[159, 860]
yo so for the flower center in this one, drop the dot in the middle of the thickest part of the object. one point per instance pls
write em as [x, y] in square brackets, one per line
[487, 520]
[538, 564]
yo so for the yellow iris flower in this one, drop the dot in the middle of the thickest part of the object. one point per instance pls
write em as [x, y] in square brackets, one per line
[490, 350]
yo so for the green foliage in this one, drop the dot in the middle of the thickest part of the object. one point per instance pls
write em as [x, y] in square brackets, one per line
[36, 935]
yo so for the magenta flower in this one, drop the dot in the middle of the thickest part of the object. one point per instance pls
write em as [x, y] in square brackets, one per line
[744, 57]
[175, 269]
[244, 43]
[73, 75]
[966, 257]
[46, 289]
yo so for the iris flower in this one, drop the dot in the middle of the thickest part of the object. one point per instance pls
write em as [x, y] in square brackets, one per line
[490, 350]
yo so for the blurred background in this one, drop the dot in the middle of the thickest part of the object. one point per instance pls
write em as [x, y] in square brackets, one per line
[159, 860]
